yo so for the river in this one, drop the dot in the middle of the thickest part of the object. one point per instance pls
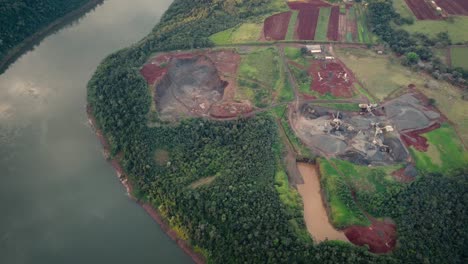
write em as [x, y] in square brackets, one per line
[60, 201]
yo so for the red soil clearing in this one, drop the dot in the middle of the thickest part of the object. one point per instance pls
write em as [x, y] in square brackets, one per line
[331, 77]
[152, 72]
[454, 7]
[333, 24]
[276, 26]
[380, 236]
[400, 176]
[230, 109]
[414, 138]
[422, 10]
[307, 22]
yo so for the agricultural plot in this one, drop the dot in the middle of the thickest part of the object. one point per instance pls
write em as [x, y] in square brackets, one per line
[459, 57]
[330, 77]
[445, 152]
[363, 34]
[307, 23]
[322, 24]
[292, 25]
[275, 27]
[247, 32]
[423, 10]
[333, 25]
[454, 7]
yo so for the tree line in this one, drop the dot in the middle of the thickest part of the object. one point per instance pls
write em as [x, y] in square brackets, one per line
[22, 18]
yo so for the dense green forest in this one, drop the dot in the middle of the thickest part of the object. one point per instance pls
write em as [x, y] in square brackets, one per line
[22, 18]
[238, 217]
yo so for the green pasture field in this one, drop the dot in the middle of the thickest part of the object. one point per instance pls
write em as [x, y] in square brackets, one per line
[247, 32]
[322, 24]
[459, 57]
[445, 152]
[292, 25]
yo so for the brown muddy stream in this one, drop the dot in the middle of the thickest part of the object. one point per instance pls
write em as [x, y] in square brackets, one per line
[315, 214]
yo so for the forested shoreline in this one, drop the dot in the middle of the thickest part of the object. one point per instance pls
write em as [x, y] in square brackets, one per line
[239, 217]
[24, 21]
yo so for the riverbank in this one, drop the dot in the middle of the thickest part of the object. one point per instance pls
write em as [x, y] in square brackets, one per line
[150, 210]
[30, 42]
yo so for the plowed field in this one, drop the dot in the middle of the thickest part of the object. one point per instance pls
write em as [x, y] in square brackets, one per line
[307, 22]
[422, 10]
[333, 24]
[454, 7]
[275, 27]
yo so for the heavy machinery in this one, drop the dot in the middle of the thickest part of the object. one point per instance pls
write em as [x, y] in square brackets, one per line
[367, 108]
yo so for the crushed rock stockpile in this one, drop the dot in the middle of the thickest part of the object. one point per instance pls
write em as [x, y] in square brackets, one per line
[354, 139]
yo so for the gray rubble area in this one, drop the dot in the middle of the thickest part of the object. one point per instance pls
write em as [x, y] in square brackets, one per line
[407, 113]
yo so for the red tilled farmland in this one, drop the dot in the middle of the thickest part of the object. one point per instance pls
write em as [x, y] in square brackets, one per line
[331, 77]
[333, 24]
[422, 10]
[454, 7]
[380, 236]
[275, 27]
[414, 138]
[307, 22]
[310, 4]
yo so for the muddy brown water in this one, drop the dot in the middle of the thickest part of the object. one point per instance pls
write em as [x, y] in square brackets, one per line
[315, 214]
[60, 200]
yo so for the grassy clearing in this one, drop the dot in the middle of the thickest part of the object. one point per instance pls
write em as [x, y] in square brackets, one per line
[344, 211]
[292, 25]
[292, 53]
[260, 75]
[455, 26]
[362, 29]
[380, 75]
[402, 8]
[370, 186]
[322, 24]
[445, 153]
[246, 32]
[459, 57]
[441, 54]
[449, 101]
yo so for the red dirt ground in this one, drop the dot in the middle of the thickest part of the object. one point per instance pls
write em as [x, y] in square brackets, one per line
[307, 23]
[400, 176]
[225, 61]
[422, 10]
[414, 138]
[380, 236]
[454, 7]
[333, 24]
[276, 27]
[331, 77]
[230, 109]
